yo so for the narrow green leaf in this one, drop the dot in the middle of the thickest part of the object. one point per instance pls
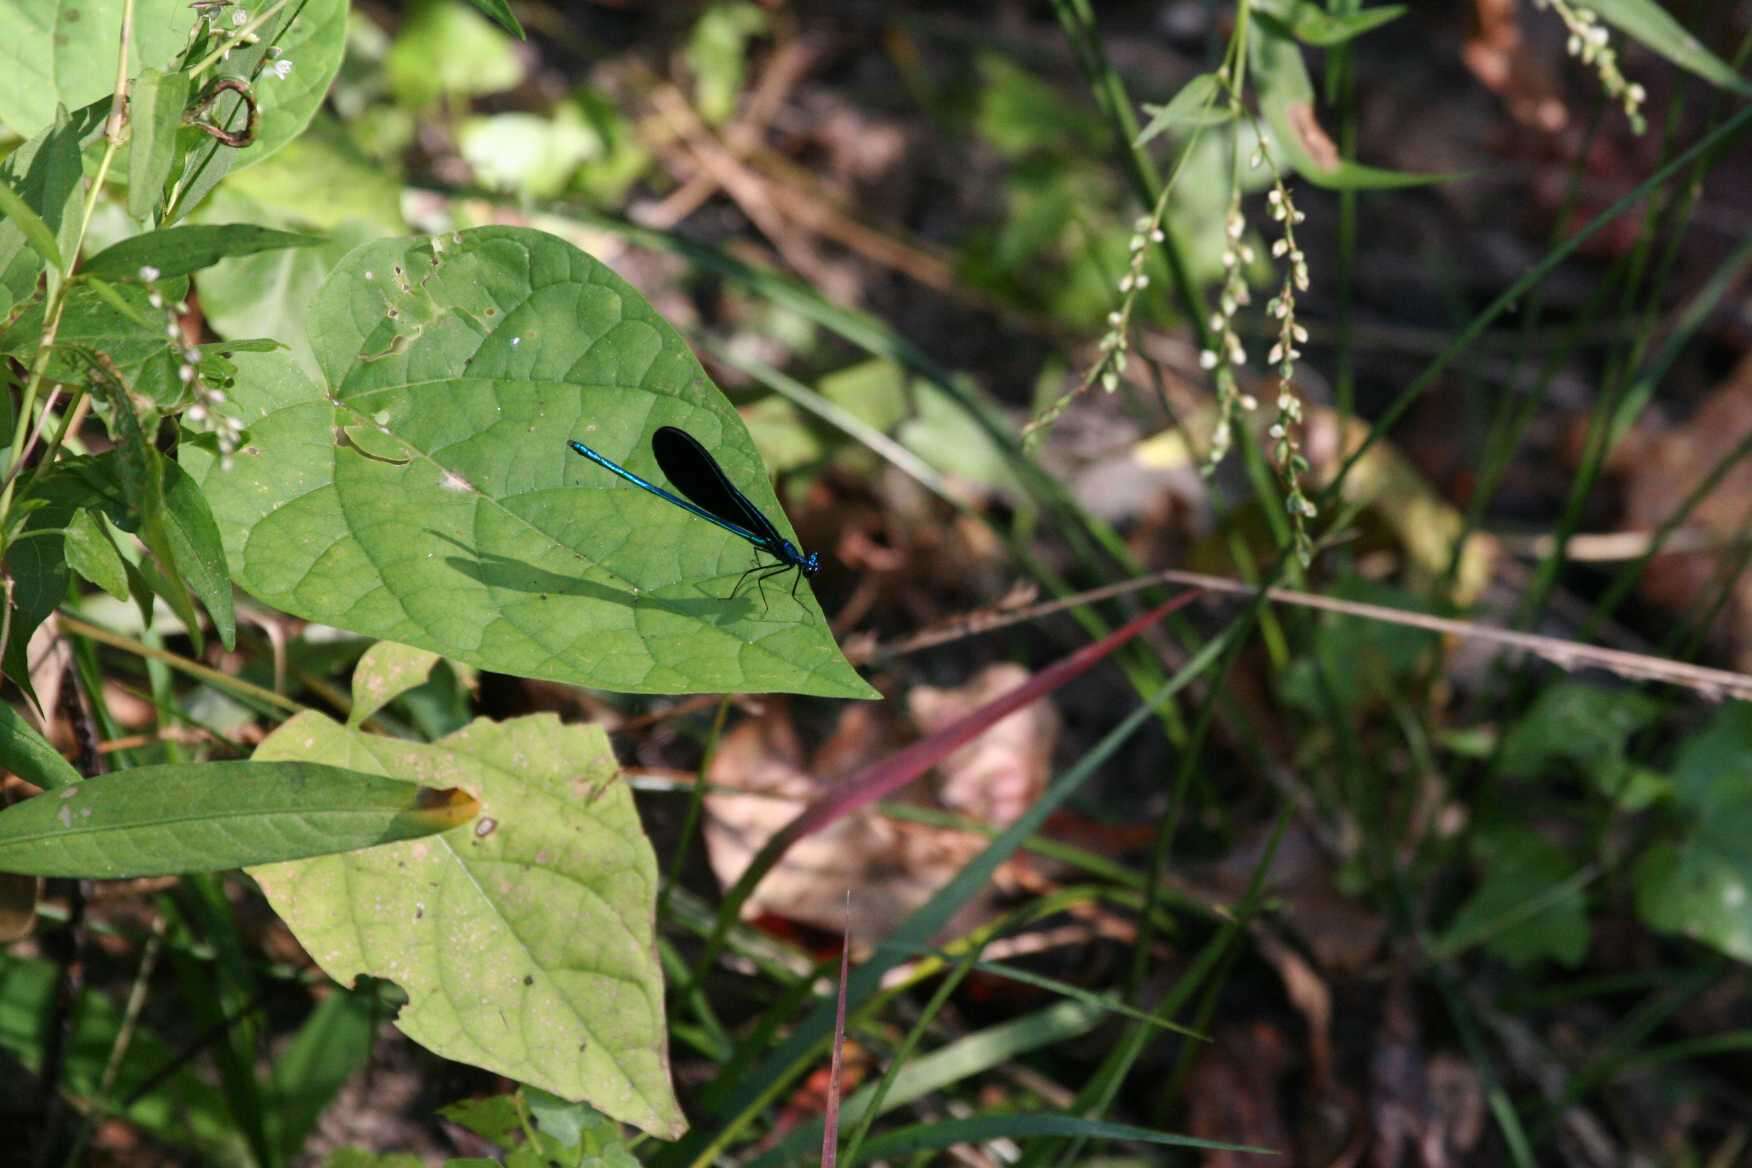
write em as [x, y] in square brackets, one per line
[39, 183]
[1654, 28]
[476, 356]
[92, 554]
[500, 13]
[27, 754]
[333, 1043]
[1314, 25]
[955, 1062]
[526, 941]
[178, 251]
[203, 817]
[155, 113]
[38, 564]
[192, 538]
[385, 672]
[114, 299]
[1200, 102]
[36, 232]
[139, 472]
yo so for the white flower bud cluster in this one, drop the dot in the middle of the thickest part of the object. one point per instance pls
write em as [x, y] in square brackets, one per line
[242, 31]
[1590, 43]
[1285, 429]
[1109, 367]
[1227, 354]
[202, 412]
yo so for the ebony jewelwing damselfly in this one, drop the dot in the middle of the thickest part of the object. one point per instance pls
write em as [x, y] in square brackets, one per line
[706, 491]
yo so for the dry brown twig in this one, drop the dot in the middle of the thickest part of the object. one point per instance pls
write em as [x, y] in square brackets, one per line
[1713, 684]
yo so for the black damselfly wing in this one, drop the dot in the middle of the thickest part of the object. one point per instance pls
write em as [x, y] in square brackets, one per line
[691, 469]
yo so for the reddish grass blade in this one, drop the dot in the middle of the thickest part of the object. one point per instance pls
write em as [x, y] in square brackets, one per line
[830, 1126]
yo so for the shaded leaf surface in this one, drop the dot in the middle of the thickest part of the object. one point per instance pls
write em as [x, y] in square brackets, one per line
[525, 942]
[1699, 883]
[177, 1107]
[1514, 909]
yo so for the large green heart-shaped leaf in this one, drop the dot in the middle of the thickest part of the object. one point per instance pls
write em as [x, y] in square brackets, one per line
[425, 493]
[526, 942]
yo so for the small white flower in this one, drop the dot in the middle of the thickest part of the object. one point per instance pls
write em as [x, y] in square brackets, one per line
[149, 273]
[281, 68]
[239, 18]
[1143, 281]
[1207, 359]
[185, 373]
